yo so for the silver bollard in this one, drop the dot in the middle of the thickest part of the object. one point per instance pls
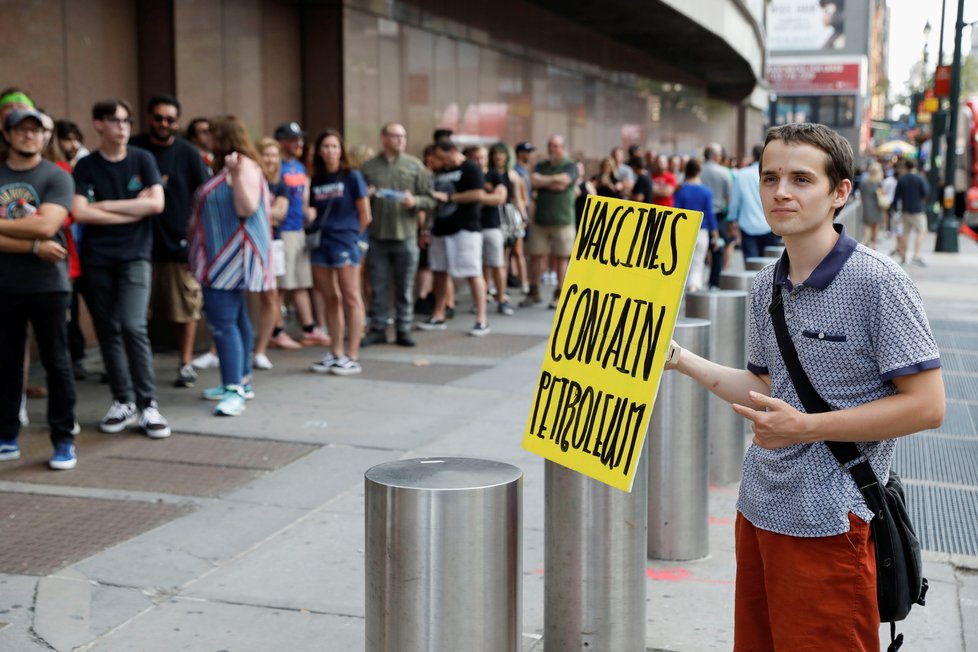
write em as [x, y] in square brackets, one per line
[773, 251]
[594, 562]
[737, 280]
[726, 310]
[758, 263]
[444, 556]
[679, 458]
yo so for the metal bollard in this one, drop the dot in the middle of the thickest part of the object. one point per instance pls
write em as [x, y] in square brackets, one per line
[759, 263]
[443, 556]
[594, 562]
[774, 251]
[737, 280]
[726, 310]
[679, 458]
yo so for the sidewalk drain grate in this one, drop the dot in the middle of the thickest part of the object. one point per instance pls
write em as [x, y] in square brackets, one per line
[945, 518]
[961, 386]
[959, 420]
[937, 459]
[952, 340]
[42, 534]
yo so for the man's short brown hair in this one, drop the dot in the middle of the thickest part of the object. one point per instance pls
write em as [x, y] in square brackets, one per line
[839, 160]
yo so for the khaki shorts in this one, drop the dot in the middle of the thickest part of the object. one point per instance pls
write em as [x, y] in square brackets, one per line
[459, 254]
[298, 269]
[914, 222]
[553, 240]
[176, 294]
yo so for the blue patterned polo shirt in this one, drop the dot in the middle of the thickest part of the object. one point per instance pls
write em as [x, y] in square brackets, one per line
[857, 323]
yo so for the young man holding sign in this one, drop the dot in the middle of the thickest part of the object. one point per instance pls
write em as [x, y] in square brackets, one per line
[806, 573]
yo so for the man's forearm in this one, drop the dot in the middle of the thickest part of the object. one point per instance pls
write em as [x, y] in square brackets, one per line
[85, 213]
[732, 385]
[138, 207]
[12, 245]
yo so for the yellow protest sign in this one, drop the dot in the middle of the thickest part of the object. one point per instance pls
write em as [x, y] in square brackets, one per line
[607, 347]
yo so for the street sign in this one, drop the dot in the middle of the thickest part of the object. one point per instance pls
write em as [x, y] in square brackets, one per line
[942, 81]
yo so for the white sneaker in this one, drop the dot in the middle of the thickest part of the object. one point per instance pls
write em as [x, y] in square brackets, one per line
[206, 361]
[119, 417]
[152, 422]
[262, 361]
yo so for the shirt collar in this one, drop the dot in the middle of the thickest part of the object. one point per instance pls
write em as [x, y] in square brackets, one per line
[826, 271]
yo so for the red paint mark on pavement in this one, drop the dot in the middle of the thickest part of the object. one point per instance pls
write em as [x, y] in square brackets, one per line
[668, 574]
[721, 520]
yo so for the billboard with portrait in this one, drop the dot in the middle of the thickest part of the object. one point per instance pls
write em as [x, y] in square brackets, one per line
[807, 25]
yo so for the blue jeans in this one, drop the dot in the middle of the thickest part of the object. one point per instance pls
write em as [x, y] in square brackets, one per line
[118, 298]
[392, 262]
[227, 316]
[752, 246]
[46, 313]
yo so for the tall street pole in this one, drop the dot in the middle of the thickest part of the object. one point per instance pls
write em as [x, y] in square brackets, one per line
[947, 232]
[937, 125]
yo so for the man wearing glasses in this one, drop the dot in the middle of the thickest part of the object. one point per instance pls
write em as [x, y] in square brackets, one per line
[116, 189]
[176, 295]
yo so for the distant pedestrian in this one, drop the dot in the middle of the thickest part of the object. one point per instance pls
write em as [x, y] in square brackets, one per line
[748, 213]
[695, 196]
[230, 239]
[338, 194]
[34, 284]
[176, 296]
[910, 200]
[118, 190]
[552, 229]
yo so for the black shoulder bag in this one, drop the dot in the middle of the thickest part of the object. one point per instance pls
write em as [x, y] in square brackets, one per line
[899, 580]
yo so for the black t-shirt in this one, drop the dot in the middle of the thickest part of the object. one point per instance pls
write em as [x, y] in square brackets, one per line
[643, 186]
[21, 193]
[490, 214]
[451, 217]
[183, 171]
[99, 179]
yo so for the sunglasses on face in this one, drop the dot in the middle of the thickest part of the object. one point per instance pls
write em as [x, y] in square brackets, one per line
[166, 119]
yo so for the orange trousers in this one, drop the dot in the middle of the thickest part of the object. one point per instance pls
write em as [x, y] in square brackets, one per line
[795, 594]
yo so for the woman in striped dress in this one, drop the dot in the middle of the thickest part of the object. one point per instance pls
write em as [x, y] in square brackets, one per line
[230, 246]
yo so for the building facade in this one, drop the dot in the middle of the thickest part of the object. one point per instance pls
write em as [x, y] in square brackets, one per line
[666, 75]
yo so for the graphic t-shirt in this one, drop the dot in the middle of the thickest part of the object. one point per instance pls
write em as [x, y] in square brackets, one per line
[295, 178]
[21, 193]
[334, 198]
[183, 171]
[98, 179]
[451, 217]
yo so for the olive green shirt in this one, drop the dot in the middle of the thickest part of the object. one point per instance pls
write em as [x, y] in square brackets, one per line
[556, 208]
[391, 221]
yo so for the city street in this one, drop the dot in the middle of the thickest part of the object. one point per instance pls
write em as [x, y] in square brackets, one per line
[247, 534]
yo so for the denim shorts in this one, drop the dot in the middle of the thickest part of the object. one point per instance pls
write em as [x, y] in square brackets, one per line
[334, 254]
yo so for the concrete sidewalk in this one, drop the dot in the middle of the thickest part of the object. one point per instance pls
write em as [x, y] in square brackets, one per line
[246, 534]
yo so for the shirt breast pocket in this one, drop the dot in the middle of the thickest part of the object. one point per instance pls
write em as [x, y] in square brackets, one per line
[825, 336]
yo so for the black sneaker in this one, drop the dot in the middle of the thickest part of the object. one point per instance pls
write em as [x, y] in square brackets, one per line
[479, 330]
[186, 376]
[374, 336]
[404, 339]
[450, 312]
[432, 324]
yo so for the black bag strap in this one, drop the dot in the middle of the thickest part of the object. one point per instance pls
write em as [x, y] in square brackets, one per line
[844, 452]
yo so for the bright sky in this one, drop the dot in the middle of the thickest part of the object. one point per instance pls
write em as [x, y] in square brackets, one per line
[907, 19]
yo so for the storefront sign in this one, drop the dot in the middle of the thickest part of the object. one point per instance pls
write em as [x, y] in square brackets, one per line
[828, 77]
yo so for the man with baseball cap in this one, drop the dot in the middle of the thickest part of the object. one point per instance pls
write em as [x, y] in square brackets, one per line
[35, 196]
[298, 270]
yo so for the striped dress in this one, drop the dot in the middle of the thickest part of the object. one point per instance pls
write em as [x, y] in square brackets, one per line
[228, 252]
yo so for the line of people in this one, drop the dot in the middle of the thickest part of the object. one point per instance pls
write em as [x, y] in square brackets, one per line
[183, 228]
